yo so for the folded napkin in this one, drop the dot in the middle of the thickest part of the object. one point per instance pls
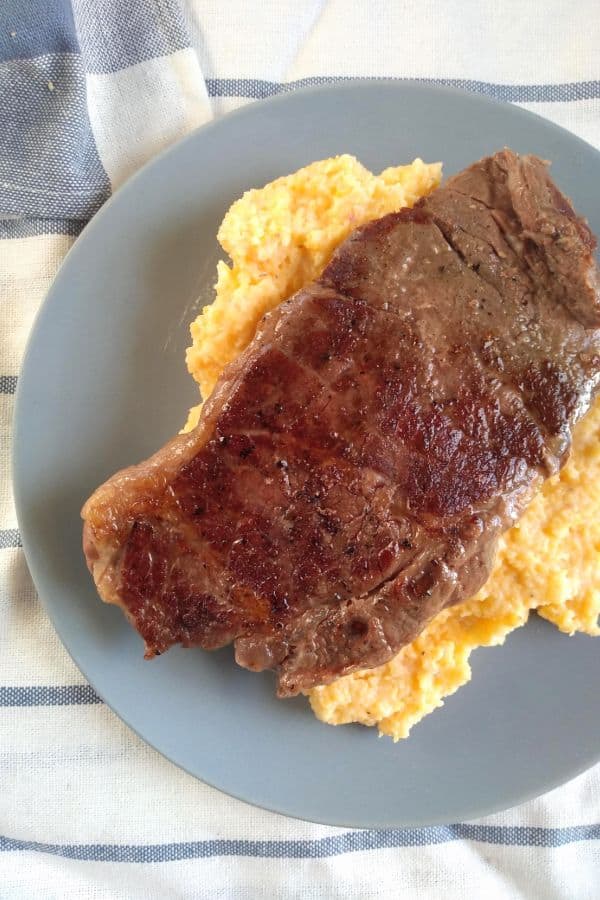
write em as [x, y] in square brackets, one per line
[89, 92]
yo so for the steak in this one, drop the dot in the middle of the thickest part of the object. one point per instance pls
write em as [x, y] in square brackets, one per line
[353, 469]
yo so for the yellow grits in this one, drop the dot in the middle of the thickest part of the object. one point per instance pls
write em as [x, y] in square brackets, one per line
[279, 238]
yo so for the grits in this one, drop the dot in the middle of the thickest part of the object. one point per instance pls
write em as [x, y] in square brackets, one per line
[281, 237]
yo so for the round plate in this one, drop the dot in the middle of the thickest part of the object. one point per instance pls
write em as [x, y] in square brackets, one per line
[104, 384]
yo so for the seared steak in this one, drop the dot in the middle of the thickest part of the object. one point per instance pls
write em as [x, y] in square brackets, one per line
[353, 469]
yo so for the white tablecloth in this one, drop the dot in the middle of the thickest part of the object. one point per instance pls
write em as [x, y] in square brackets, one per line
[88, 93]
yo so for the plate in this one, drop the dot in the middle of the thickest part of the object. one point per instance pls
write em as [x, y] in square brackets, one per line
[104, 384]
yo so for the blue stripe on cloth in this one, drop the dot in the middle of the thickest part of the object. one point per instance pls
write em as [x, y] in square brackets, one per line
[32, 28]
[11, 229]
[9, 537]
[113, 35]
[257, 89]
[48, 695]
[49, 165]
[336, 845]
[8, 385]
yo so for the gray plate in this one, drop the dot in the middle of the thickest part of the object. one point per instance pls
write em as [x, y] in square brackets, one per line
[104, 384]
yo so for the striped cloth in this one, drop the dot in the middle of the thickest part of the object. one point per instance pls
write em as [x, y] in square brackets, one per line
[89, 92]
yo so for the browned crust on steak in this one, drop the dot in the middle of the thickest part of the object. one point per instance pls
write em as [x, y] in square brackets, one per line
[353, 469]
